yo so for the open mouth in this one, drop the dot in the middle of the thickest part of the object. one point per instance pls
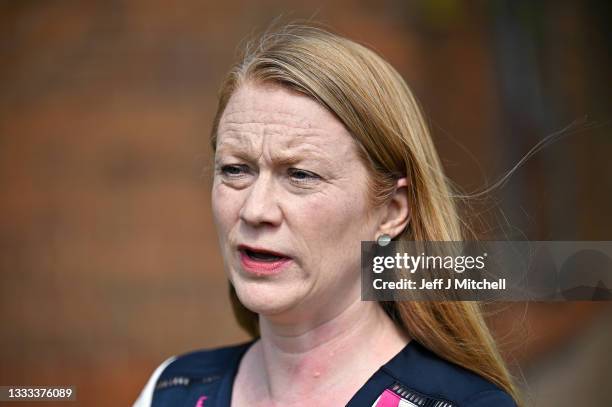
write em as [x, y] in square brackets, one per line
[262, 262]
[260, 255]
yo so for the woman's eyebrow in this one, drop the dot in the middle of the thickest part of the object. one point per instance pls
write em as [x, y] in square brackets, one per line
[302, 153]
[238, 153]
[284, 157]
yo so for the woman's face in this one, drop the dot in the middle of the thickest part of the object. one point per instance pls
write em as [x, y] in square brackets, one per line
[290, 203]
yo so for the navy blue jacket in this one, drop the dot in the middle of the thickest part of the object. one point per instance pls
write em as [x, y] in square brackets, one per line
[418, 376]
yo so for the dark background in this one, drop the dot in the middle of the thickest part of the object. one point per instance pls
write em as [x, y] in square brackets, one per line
[108, 257]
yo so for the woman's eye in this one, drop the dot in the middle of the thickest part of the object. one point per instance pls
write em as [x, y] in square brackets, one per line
[234, 170]
[302, 176]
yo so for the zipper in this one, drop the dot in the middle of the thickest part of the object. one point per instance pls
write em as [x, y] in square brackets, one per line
[418, 399]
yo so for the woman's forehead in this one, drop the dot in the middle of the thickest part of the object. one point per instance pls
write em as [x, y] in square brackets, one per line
[274, 105]
[288, 148]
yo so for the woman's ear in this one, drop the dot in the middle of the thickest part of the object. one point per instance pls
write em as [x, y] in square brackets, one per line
[397, 214]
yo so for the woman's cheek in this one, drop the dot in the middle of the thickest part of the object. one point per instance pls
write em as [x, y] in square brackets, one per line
[329, 223]
[225, 207]
[321, 207]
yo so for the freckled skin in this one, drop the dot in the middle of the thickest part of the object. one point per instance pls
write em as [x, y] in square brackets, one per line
[288, 179]
[318, 222]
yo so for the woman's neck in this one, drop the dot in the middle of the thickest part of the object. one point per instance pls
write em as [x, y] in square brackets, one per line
[331, 354]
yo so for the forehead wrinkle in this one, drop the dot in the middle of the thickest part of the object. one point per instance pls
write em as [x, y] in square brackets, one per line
[254, 129]
[277, 148]
[243, 133]
[265, 117]
[281, 134]
[282, 146]
[236, 142]
[261, 127]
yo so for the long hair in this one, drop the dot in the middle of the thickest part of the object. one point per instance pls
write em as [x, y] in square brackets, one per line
[376, 106]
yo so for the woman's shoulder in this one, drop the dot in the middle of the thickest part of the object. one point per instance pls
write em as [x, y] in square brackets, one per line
[205, 361]
[420, 374]
[180, 376]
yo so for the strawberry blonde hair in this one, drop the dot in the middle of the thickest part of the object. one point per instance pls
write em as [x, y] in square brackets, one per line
[376, 106]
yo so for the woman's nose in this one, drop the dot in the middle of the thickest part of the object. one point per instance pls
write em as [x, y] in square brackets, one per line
[261, 203]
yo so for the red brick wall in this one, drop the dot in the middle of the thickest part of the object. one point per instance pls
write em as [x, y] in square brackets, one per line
[108, 256]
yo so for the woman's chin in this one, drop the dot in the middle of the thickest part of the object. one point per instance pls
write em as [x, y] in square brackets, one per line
[266, 300]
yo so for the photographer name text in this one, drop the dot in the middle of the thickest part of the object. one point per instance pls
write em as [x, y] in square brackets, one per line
[440, 284]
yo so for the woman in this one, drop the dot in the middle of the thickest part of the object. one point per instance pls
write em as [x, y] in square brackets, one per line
[319, 145]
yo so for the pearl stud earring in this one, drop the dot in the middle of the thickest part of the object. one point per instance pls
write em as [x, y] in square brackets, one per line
[383, 240]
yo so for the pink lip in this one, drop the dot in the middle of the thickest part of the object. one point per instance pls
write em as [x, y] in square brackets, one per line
[262, 267]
